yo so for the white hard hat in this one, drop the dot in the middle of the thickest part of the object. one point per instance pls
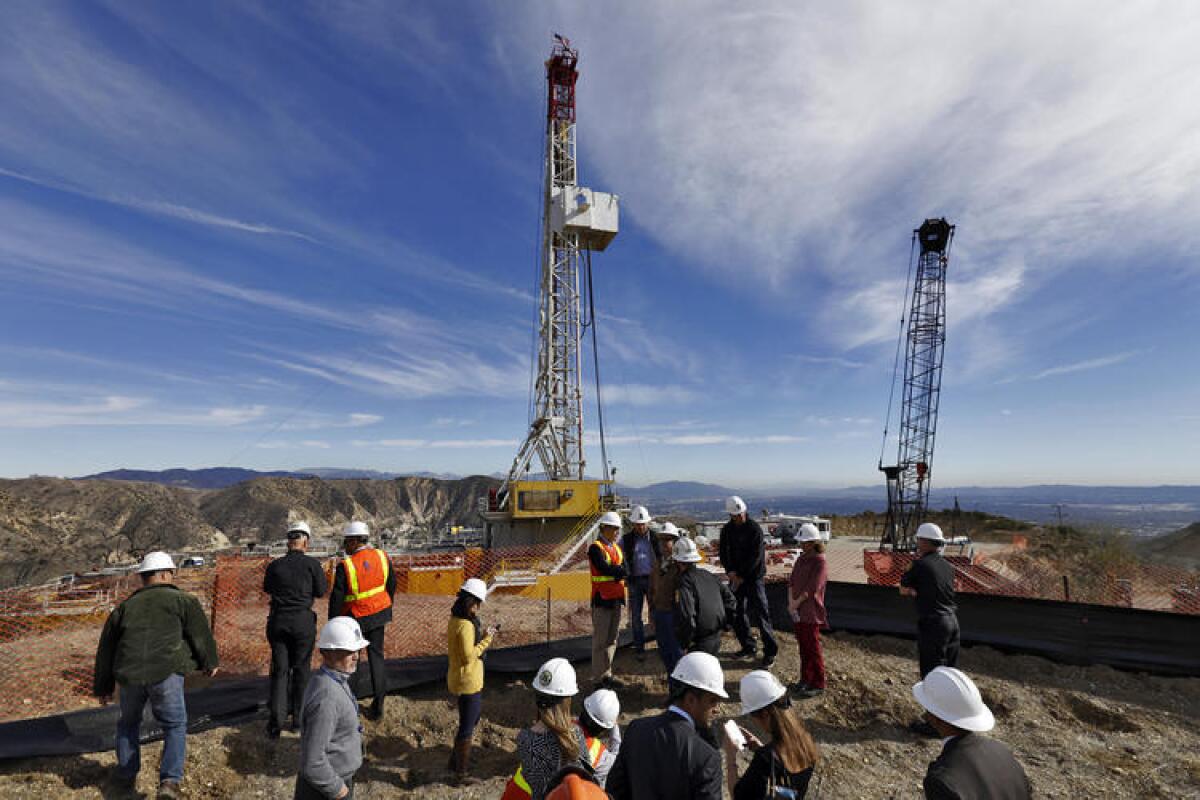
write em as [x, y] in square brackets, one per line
[356, 530]
[639, 515]
[931, 532]
[684, 551]
[669, 529]
[556, 678]
[701, 671]
[809, 533]
[341, 633]
[952, 697]
[475, 587]
[301, 526]
[701, 541]
[603, 706]
[610, 519]
[758, 690]
[735, 505]
[156, 561]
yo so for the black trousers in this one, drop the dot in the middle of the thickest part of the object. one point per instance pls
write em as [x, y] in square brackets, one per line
[292, 635]
[708, 643]
[752, 610]
[937, 642]
[376, 668]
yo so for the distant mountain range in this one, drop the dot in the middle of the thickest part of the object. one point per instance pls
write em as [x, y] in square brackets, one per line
[224, 477]
[1140, 510]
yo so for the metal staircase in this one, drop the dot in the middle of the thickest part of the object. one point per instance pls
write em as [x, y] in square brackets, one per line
[525, 570]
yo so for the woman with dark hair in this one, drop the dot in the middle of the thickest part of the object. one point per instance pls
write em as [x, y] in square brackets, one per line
[465, 647]
[806, 602]
[782, 768]
[552, 741]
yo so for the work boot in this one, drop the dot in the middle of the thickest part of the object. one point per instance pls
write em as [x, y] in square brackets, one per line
[613, 683]
[169, 790]
[462, 758]
[121, 785]
[809, 692]
[748, 651]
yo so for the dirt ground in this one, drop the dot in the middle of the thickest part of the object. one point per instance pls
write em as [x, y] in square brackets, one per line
[1079, 731]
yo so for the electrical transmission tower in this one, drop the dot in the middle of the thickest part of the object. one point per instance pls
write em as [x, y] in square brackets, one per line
[575, 221]
[909, 479]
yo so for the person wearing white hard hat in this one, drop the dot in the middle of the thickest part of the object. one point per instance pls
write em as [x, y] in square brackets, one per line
[552, 741]
[744, 557]
[703, 604]
[970, 765]
[806, 603]
[364, 587]
[674, 756]
[664, 582]
[606, 561]
[600, 736]
[466, 642]
[293, 582]
[642, 555]
[787, 761]
[930, 580]
[330, 734]
[149, 642]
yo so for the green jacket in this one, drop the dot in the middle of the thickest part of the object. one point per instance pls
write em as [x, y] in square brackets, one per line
[157, 632]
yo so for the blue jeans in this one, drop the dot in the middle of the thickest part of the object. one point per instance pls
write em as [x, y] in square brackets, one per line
[639, 587]
[668, 645]
[166, 703]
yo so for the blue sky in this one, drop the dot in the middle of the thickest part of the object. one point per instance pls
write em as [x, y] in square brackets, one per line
[305, 234]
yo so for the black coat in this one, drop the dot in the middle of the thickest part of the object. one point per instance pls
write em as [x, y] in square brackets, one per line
[933, 578]
[294, 581]
[703, 604]
[974, 767]
[742, 549]
[664, 758]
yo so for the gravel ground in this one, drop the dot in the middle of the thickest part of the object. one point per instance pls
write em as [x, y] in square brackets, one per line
[1080, 731]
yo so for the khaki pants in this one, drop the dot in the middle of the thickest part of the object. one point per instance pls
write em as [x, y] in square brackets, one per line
[606, 624]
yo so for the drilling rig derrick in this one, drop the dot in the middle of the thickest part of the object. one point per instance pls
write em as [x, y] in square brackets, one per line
[576, 221]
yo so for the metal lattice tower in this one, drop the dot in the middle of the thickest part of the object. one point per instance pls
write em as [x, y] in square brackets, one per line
[909, 480]
[556, 428]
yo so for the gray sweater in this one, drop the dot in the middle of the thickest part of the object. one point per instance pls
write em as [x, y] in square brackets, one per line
[330, 736]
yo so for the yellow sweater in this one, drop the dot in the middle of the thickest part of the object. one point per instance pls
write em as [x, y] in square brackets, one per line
[466, 667]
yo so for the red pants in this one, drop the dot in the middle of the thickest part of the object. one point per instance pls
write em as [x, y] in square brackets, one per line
[812, 662]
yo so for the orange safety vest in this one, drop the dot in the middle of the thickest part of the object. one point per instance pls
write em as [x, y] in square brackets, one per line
[366, 583]
[606, 587]
[519, 789]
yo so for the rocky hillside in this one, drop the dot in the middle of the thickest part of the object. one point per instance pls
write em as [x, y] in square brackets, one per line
[51, 526]
[259, 510]
[1180, 548]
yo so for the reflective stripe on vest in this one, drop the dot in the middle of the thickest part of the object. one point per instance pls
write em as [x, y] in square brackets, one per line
[518, 788]
[365, 595]
[595, 750]
[606, 586]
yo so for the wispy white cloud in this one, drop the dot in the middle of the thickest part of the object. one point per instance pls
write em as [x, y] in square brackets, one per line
[1083, 366]
[442, 444]
[283, 444]
[638, 394]
[119, 411]
[836, 361]
[159, 207]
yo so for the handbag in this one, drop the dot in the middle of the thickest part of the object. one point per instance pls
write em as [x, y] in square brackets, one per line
[774, 790]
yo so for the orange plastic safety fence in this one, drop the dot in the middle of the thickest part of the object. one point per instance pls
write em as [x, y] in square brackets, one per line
[48, 634]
